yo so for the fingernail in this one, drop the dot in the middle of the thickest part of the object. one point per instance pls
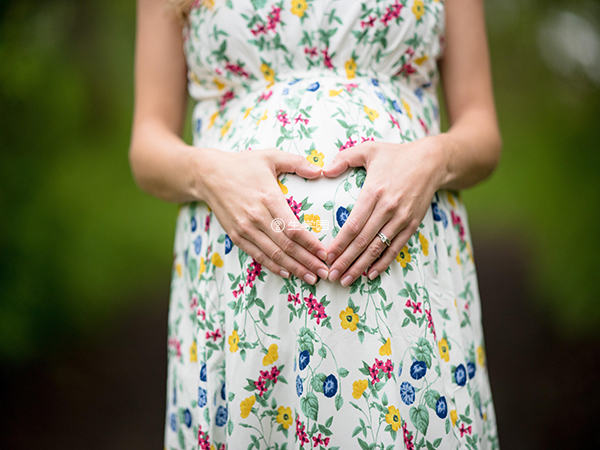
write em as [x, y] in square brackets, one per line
[322, 254]
[310, 278]
[346, 280]
[330, 258]
[284, 273]
[322, 273]
[373, 274]
[333, 275]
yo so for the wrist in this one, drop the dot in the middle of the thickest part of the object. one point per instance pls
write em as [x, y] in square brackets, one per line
[444, 150]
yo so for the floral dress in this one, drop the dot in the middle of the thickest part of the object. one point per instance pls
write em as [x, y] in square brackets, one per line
[256, 361]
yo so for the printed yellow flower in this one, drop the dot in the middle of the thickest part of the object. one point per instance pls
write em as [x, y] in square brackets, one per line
[246, 406]
[268, 73]
[178, 270]
[194, 352]
[418, 9]
[451, 199]
[284, 417]
[485, 416]
[216, 260]
[209, 3]
[407, 108]
[421, 60]
[314, 221]
[316, 158]
[444, 350]
[202, 266]
[453, 417]
[403, 257]
[350, 68]
[283, 187]
[298, 7]
[358, 387]
[264, 117]
[194, 77]
[393, 417]
[233, 341]
[208, 208]
[458, 261]
[349, 319]
[481, 356]
[219, 84]
[247, 113]
[371, 113]
[386, 349]
[424, 244]
[333, 93]
[271, 355]
[225, 128]
[212, 119]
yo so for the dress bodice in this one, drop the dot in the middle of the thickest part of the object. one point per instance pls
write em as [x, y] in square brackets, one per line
[243, 44]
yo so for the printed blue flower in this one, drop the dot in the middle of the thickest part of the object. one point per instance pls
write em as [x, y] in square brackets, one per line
[187, 418]
[399, 370]
[299, 386]
[381, 96]
[294, 81]
[223, 391]
[471, 369]
[341, 215]
[396, 106]
[198, 125]
[201, 397]
[221, 418]
[313, 87]
[303, 359]
[228, 244]
[286, 91]
[185, 256]
[419, 94]
[330, 386]
[375, 81]
[407, 393]
[439, 215]
[198, 245]
[418, 370]
[441, 407]
[203, 372]
[173, 422]
[460, 375]
[194, 223]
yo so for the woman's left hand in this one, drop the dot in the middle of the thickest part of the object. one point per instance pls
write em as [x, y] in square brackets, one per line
[401, 180]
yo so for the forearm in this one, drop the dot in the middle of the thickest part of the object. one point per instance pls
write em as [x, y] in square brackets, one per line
[470, 150]
[163, 165]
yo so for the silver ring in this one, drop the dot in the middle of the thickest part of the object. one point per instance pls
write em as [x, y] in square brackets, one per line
[385, 240]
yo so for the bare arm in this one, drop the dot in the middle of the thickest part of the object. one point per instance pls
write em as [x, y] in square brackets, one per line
[474, 142]
[161, 162]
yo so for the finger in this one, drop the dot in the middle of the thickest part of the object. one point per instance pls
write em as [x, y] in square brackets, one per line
[295, 231]
[260, 257]
[351, 157]
[373, 251]
[294, 250]
[277, 255]
[354, 224]
[290, 163]
[388, 255]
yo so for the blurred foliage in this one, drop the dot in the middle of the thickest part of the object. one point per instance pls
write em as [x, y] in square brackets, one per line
[79, 241]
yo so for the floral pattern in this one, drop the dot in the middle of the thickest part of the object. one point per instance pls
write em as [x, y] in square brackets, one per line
[259, 361]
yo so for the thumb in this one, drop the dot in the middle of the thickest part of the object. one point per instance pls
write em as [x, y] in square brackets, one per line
[287, 162]
[350, 157]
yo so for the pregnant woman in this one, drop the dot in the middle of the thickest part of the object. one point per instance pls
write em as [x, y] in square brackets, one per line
[324, 293]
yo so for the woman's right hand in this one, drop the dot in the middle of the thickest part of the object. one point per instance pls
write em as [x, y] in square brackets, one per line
[241, 189]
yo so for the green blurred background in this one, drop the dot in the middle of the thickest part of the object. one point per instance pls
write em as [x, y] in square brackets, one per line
[82, 248]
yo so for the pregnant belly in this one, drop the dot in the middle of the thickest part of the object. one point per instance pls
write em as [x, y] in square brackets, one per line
[317, 117]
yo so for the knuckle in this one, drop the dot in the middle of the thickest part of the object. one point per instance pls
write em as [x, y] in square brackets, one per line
[260, 258]
[374, 250]
[288, 246]
[277, 255]
[352, 225]
[244, 228]
[361, 242]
